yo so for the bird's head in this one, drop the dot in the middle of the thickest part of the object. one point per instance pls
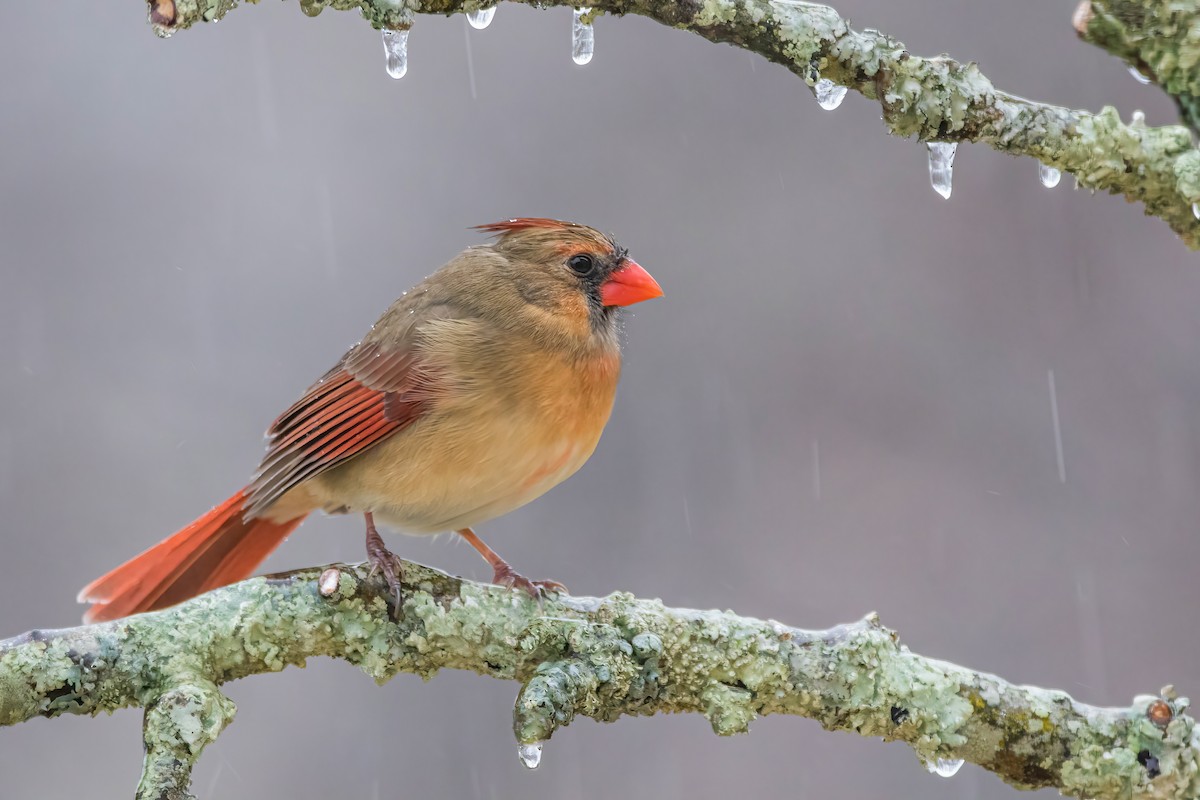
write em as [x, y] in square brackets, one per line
[571, 269]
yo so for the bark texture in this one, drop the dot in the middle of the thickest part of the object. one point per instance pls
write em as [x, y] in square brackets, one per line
[597, 657]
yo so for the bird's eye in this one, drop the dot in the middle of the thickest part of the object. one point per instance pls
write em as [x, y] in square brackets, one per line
[581, 264]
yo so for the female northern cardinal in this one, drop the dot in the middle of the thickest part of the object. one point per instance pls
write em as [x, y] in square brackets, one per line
[476, 392]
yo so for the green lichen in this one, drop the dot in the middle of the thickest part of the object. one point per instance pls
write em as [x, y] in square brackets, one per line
[1187, 175]
[180, 723]
[603, 658]
[1160, 39]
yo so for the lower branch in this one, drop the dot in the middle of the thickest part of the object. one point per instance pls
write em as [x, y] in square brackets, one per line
[935, 99]
[596, 657]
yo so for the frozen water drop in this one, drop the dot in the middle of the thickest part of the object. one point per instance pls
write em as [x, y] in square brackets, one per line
[1196, 210]
[583, 38]
[941, 166]
[1050, 175]
[482, 18]
[946, 767]
[530, 754]
[1138, 76]
[395, 47]
[829, 95]
[312, 8]
[1138, 119]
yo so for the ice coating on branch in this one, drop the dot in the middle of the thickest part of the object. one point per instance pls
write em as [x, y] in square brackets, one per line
[946, 767]
[941, 166]
[829, 95]
[583, 37]
[530, 754]
[395, 49]
[1138, 76]
[1050, 175]
[482, 18]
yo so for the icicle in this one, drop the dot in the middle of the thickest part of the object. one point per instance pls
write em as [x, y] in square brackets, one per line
[395, 47]
[941, 166]
[829, 95]
[583, 38]
[946, 767]
[1138, 76]
[1049, 175]
[482, 18]
[530, 754]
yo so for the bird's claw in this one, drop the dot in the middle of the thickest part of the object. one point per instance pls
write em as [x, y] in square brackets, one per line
[385, 561]
[506, 576]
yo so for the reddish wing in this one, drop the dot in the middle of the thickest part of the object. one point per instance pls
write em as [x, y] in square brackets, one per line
[373, 393]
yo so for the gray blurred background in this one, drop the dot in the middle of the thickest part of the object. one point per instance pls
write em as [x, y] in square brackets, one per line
[841, 405]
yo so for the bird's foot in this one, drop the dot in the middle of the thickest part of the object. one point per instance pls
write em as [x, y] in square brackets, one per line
[385, 561]
[504, 575]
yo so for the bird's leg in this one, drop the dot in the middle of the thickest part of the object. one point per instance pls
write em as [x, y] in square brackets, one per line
[505, 575]
[383, 560]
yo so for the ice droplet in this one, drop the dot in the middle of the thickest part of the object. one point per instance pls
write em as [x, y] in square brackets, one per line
[1138, 76]
[1050, 175]
[312, 8]
[941, 166]
[1138, 119]
[583, 38]
[395, 47]
[1196, 210]
[946, 767]
[829, 95]
[530, 754]
[482, 18]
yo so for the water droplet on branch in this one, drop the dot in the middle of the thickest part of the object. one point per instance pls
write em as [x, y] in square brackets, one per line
[946, 767]
[941, 166]
[395, 48]
[482, 18]
[829, 95]
[1050, 175]
[1139, 77]
[530, 754]
[583, 38]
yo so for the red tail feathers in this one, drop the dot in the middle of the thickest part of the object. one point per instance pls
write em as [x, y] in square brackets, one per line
[219, 548]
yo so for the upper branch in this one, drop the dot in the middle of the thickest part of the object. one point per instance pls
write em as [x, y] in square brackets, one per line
[934, 99]
[597, 657]
[1158, 38]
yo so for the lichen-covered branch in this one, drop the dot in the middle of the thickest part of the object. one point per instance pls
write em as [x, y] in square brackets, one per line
[1158, 38]
[596, 657]
[934, 99]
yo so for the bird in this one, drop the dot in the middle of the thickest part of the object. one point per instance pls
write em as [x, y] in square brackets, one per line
[475, 392]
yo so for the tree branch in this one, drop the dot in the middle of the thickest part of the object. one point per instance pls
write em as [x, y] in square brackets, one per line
[1158, 38]
[597, 657]
[935, 99]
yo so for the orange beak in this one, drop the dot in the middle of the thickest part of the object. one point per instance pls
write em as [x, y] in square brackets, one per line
[628, 285]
